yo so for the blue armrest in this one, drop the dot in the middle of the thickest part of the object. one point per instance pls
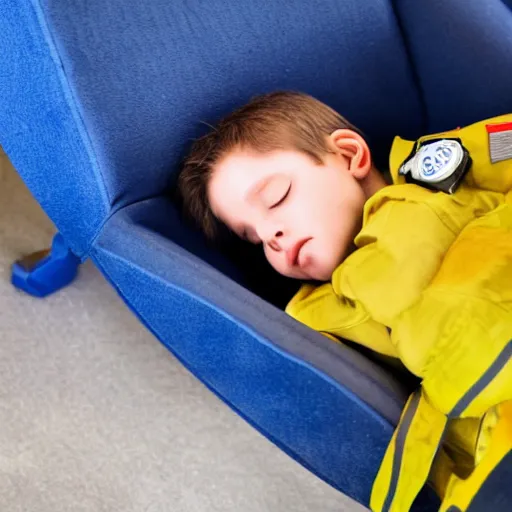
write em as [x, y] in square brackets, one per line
[323, 403]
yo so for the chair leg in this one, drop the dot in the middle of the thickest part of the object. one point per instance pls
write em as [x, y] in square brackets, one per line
[44, 272]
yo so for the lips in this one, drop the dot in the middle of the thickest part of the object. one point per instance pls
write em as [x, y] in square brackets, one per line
[292, 255]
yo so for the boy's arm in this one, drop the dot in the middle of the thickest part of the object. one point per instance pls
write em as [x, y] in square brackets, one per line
[321, 309]
[407, 233]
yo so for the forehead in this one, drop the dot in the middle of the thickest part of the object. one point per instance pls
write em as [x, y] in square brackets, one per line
[239, 173]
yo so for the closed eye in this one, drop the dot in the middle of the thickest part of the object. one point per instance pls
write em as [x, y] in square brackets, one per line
[282, 198]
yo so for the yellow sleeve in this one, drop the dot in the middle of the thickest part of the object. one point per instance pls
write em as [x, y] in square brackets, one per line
[460, 327]
[407, 232]
[319, 308]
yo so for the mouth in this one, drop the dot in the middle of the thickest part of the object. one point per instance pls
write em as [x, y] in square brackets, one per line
[294, 252]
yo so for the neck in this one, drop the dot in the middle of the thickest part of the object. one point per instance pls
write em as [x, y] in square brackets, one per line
[373, 182]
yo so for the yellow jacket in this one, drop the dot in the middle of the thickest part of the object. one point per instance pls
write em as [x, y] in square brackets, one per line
[431, 282]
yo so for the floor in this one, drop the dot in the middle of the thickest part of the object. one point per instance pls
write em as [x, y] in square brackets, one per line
[96, 416]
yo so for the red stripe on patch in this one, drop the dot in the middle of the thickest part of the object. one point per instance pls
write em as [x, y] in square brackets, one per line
[498, 127]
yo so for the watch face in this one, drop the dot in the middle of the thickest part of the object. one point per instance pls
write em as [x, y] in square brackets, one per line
[437, 164]
[437, 161]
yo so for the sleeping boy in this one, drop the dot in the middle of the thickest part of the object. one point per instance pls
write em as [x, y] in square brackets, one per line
[419, 270]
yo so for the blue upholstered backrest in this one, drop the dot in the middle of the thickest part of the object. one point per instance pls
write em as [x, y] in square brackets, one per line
[100, 100]
[120, 88]
[462, 53]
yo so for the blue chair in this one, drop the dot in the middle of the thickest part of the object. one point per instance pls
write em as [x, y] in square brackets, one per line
[99, 101]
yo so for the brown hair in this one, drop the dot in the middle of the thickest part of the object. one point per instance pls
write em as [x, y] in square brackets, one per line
[279, 120]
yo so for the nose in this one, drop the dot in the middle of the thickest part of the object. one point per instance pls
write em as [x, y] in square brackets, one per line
[272, 235]
[276, 242]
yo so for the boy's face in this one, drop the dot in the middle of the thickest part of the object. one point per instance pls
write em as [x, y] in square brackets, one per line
[305, 214]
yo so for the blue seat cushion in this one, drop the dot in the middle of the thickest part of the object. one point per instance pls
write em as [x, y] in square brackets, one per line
[325, 404]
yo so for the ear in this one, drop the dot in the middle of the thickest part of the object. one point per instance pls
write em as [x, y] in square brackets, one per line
[352, 146]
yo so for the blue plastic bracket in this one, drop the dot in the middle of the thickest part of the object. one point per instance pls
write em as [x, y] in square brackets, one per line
[44, 272]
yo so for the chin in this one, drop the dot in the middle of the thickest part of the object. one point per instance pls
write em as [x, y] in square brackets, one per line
[322, 275]
[325, 272]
